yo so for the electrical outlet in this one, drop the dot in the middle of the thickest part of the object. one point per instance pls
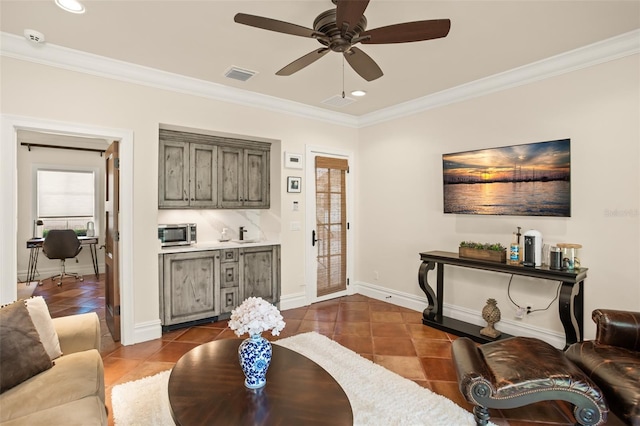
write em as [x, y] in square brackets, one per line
[529, 309]
[376, 275]
[520, 313]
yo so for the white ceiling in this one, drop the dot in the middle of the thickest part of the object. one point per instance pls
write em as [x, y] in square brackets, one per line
[199, 39]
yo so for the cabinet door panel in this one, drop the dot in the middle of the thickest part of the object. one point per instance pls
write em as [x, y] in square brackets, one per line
[230, 176]
[258, 270]
[204, 175]
[229, 299]
[191, 286]
[173, 184]
[256, 178]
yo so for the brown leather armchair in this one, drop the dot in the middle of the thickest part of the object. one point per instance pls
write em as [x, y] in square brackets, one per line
[612, 360]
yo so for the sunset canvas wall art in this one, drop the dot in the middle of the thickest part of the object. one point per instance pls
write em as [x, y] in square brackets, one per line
[520, 180]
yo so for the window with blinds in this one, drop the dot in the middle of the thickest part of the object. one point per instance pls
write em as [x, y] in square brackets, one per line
[331, 224]
[65, 199]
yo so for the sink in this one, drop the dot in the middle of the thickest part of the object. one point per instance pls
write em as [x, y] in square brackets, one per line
[245, 241]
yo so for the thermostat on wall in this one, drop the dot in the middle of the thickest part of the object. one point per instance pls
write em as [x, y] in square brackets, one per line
[292, 161]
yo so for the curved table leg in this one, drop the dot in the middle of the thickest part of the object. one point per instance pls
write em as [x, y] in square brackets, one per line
[431, 311]
[570, 311]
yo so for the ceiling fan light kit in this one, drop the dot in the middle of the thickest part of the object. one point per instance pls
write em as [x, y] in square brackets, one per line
[340, 29]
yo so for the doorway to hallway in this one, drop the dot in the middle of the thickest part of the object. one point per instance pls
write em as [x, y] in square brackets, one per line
[10, 125]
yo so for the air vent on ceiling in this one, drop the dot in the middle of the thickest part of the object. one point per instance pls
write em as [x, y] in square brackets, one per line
[239, 74]
[338, 101]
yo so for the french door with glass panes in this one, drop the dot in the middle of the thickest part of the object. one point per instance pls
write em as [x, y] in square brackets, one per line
[328, 262]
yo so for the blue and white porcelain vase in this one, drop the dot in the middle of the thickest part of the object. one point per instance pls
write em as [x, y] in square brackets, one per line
[255, 356]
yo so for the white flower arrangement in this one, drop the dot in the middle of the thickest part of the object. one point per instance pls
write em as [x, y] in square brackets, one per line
[254, 316]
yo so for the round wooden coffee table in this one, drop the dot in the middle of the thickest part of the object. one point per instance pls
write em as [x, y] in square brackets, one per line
[206, 387]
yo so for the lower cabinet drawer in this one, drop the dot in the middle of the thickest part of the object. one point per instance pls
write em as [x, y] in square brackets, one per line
[229, 275]
[229, 255]
[229, 299]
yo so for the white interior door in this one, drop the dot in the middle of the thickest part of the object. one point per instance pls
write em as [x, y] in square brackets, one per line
[328, 224]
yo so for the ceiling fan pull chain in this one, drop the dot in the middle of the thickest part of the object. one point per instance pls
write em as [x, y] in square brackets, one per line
[343, 77]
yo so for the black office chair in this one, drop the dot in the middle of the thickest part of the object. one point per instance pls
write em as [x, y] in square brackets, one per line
[62, 244]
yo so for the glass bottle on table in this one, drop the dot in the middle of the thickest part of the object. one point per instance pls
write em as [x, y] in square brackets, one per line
[514, 251]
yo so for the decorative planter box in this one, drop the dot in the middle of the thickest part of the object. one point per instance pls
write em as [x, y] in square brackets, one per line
[488, 255]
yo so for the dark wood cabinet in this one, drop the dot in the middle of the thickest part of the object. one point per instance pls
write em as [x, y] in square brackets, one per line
[570, 296]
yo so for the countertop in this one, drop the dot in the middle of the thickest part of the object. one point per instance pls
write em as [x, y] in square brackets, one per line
[216, 245]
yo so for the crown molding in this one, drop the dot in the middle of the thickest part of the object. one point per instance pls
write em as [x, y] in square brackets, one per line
[597, 53]
[17, 47]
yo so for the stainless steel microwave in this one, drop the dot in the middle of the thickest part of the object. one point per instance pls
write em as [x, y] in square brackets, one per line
[182, 234]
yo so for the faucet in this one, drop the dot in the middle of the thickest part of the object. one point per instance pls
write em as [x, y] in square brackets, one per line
[241, 232]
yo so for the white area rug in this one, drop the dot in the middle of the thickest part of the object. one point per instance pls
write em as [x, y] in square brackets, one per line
[377, 395]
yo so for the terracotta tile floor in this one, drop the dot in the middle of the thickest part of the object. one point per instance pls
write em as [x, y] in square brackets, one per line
[391, 336]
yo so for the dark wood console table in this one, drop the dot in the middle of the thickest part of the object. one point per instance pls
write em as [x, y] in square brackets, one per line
[570, 306]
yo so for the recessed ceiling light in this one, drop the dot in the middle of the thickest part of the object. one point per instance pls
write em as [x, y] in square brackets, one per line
[72, 6]
[358, 93]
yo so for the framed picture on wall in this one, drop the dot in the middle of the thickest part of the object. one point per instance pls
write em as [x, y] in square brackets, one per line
[294, 184]
[531, 179]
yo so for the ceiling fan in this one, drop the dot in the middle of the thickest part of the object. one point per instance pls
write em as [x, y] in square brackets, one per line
[340, 29]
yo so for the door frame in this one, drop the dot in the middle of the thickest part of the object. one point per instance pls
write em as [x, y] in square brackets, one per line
[9, 126]
[310, 270]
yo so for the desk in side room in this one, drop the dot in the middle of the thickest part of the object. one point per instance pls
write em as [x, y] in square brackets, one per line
[35, 244]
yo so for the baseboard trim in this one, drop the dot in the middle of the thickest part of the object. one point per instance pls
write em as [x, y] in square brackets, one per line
[471, 316]
[146, 331]
[153, 329]
[395, 297]
[293, 301]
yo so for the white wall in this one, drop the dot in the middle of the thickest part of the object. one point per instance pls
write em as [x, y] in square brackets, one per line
[47, 157]
[400, 177]
[34, 90]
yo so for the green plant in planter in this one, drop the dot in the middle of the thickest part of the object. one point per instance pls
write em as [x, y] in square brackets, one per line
[481, 246]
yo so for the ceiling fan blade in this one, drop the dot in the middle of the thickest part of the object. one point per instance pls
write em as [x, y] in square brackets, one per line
[407, 32]
[349, 12]
[304, 61]
[363, 64]
[274, 25]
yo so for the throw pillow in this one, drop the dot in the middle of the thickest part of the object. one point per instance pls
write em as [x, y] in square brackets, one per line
[41, 318]
[22, 355]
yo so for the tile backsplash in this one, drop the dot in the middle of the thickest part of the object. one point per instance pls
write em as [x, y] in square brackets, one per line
[260, 224]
